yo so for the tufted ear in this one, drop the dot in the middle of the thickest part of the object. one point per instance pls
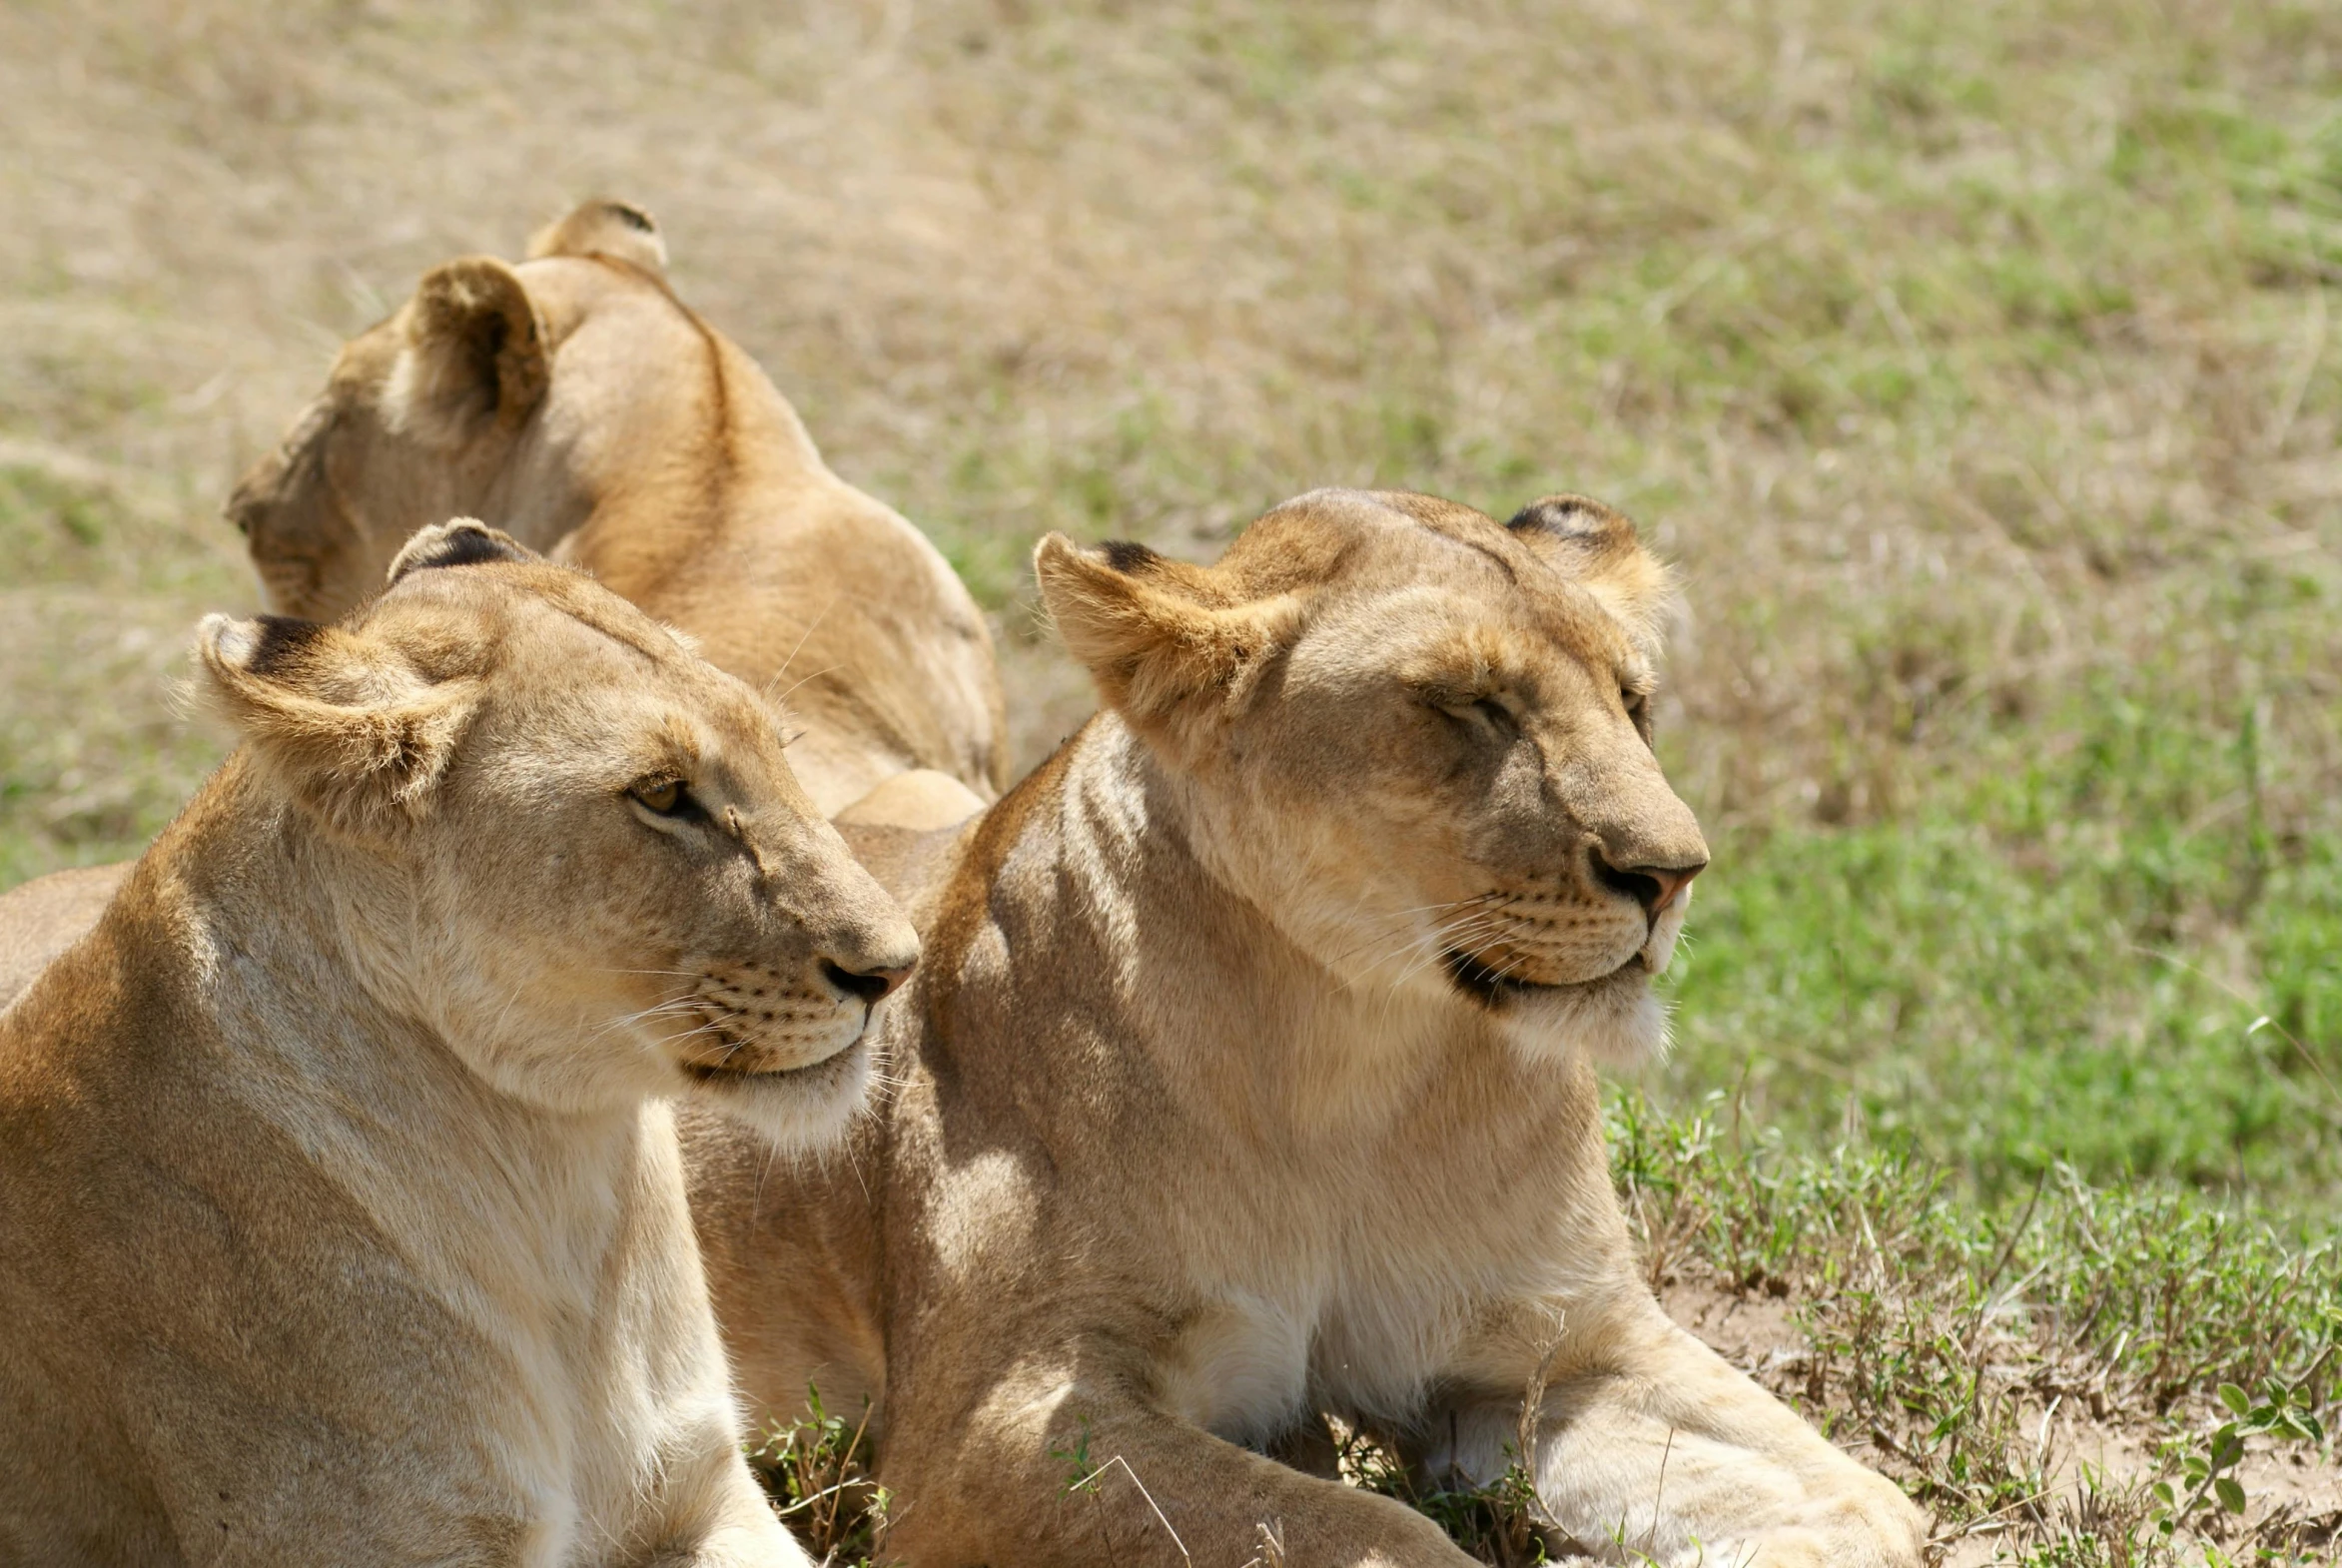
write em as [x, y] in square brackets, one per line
[473, 357]
[1157, 635]
[1597, 548]
[356, 734]
[605, 228]
[459, 541]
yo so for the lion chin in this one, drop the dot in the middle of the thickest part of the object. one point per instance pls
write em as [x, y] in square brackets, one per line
[793, 1109]
[1618, 1020]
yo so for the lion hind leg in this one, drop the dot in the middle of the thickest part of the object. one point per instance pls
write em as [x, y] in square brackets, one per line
[1071, 1474]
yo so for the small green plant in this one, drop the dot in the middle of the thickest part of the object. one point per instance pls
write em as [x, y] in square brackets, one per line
[2207, 1468]
[1081, 1474]
[1955, 1338]
[813, 1467]
[1087, 1479]
[1494, 1523]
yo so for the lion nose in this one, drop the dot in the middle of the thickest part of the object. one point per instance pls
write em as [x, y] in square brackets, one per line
[1653, 886]
[873, 985]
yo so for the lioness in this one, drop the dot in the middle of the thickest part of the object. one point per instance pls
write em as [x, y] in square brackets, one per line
[344, 1215]
[1249, 1080]
[577, 403]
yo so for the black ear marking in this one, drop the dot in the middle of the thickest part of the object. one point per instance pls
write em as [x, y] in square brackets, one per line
[1570, 516]
[464, 541]
[1128, 557]
[281, 640]
[631, 216]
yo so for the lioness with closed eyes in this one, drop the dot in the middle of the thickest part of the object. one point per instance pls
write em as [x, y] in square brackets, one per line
[341, 1213]
[1250, 1081]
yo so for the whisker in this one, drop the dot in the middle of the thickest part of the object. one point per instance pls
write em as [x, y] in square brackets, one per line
[811, 627]
[816, 675]
[680, 1005]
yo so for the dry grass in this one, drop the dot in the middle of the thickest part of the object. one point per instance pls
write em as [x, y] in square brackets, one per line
[1953, 350]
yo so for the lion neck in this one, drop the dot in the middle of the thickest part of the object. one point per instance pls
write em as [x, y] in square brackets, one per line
[308, 965]
[698, 450]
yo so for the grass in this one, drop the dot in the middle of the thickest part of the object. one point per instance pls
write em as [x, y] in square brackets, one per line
[1975, 364]
[95, 754]
[1948, 1333]
[2101, 958]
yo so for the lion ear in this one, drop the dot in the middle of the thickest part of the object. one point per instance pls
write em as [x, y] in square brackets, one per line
[354, 731]
[1148, 629]
[472, 357]
[605, 228]
[1598, 549]
[459, 541]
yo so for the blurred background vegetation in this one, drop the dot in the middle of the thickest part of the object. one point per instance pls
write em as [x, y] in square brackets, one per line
[1973, 363]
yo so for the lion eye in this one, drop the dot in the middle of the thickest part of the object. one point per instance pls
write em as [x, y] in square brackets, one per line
[665, 797]
[1638, 710]
[1485, 714]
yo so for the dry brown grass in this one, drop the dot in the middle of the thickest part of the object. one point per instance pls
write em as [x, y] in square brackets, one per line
[1841, 298]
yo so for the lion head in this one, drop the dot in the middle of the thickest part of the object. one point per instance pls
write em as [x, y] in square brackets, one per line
[443, 409]
[568, 843]
[1419, 740]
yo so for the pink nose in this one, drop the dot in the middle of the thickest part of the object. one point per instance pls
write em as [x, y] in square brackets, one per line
[1671, 882]
[871, 984]
[1653, 886]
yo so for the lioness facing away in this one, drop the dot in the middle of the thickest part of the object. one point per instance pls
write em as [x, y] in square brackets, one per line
[1249, 1080]
[345, 1216]
[576, 402]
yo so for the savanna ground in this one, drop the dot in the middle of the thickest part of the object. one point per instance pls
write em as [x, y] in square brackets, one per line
[1972, 362]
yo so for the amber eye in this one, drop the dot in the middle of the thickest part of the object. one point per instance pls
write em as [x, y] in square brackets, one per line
[664, 797]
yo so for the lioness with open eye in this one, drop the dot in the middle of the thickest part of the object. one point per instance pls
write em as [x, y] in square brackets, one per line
[344, 1213]
[1249, 1080]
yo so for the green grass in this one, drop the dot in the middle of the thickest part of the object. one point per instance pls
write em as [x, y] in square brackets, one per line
[104, 583]
[2100, 958]
[1947, 1333]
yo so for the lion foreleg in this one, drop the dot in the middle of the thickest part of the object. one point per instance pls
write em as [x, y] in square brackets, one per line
[746, 1535]
[1651, 1450]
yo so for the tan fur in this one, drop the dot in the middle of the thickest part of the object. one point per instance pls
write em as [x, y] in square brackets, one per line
[44, 916]
[576, 402]
[1250, 1081]
[344, 1215]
